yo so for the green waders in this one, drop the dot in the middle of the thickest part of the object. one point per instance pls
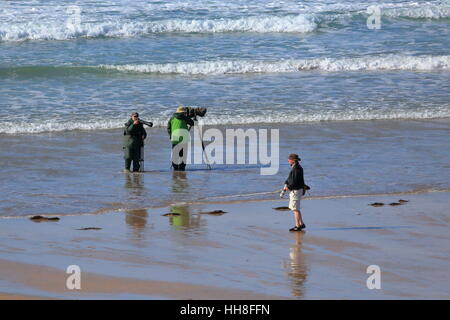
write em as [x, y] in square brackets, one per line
[132, 143]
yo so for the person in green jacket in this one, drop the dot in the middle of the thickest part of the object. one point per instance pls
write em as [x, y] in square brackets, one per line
[134, 136]
[178, 128]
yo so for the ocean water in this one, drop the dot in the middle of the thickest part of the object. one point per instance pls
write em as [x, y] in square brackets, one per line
[72, 71]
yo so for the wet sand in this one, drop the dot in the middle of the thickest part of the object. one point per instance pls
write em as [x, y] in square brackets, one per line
[6, 296]
[245, 253]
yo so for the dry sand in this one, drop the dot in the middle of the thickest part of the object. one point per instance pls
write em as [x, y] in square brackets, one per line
[246, 253]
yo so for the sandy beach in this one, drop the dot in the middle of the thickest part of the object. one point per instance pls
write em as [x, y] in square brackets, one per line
[358, 90]
[245, 253]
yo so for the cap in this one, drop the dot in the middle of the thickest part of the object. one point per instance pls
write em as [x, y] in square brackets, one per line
[181, 109]
[135, 114]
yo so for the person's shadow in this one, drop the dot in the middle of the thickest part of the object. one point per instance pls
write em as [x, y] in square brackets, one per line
[296, 266]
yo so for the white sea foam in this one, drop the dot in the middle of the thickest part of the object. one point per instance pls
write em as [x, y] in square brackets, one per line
[358, 113]
[418, 11]
[374, 63]
[59, 31]
[44, 23]
[52, 126]
[369, 63]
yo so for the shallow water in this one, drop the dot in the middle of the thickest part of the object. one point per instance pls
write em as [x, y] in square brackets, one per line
[67, 86]
[81, 172]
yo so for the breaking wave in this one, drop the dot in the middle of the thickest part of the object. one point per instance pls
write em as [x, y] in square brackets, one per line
[369, 63]
[418, 11]
[60, 31]
[392, 62]
[47, 27]
[356, 114]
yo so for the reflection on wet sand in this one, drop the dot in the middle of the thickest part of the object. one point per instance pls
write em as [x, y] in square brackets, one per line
[296, 267]
[137, 220]
[134, 182]
[184, 218]
[180, 183]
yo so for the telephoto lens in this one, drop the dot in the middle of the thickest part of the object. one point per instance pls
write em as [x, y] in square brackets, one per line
[195, 112]
[147, 123]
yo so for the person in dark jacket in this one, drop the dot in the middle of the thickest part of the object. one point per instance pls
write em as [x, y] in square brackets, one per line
[134, 136]
[178, 128]
[295, 184]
